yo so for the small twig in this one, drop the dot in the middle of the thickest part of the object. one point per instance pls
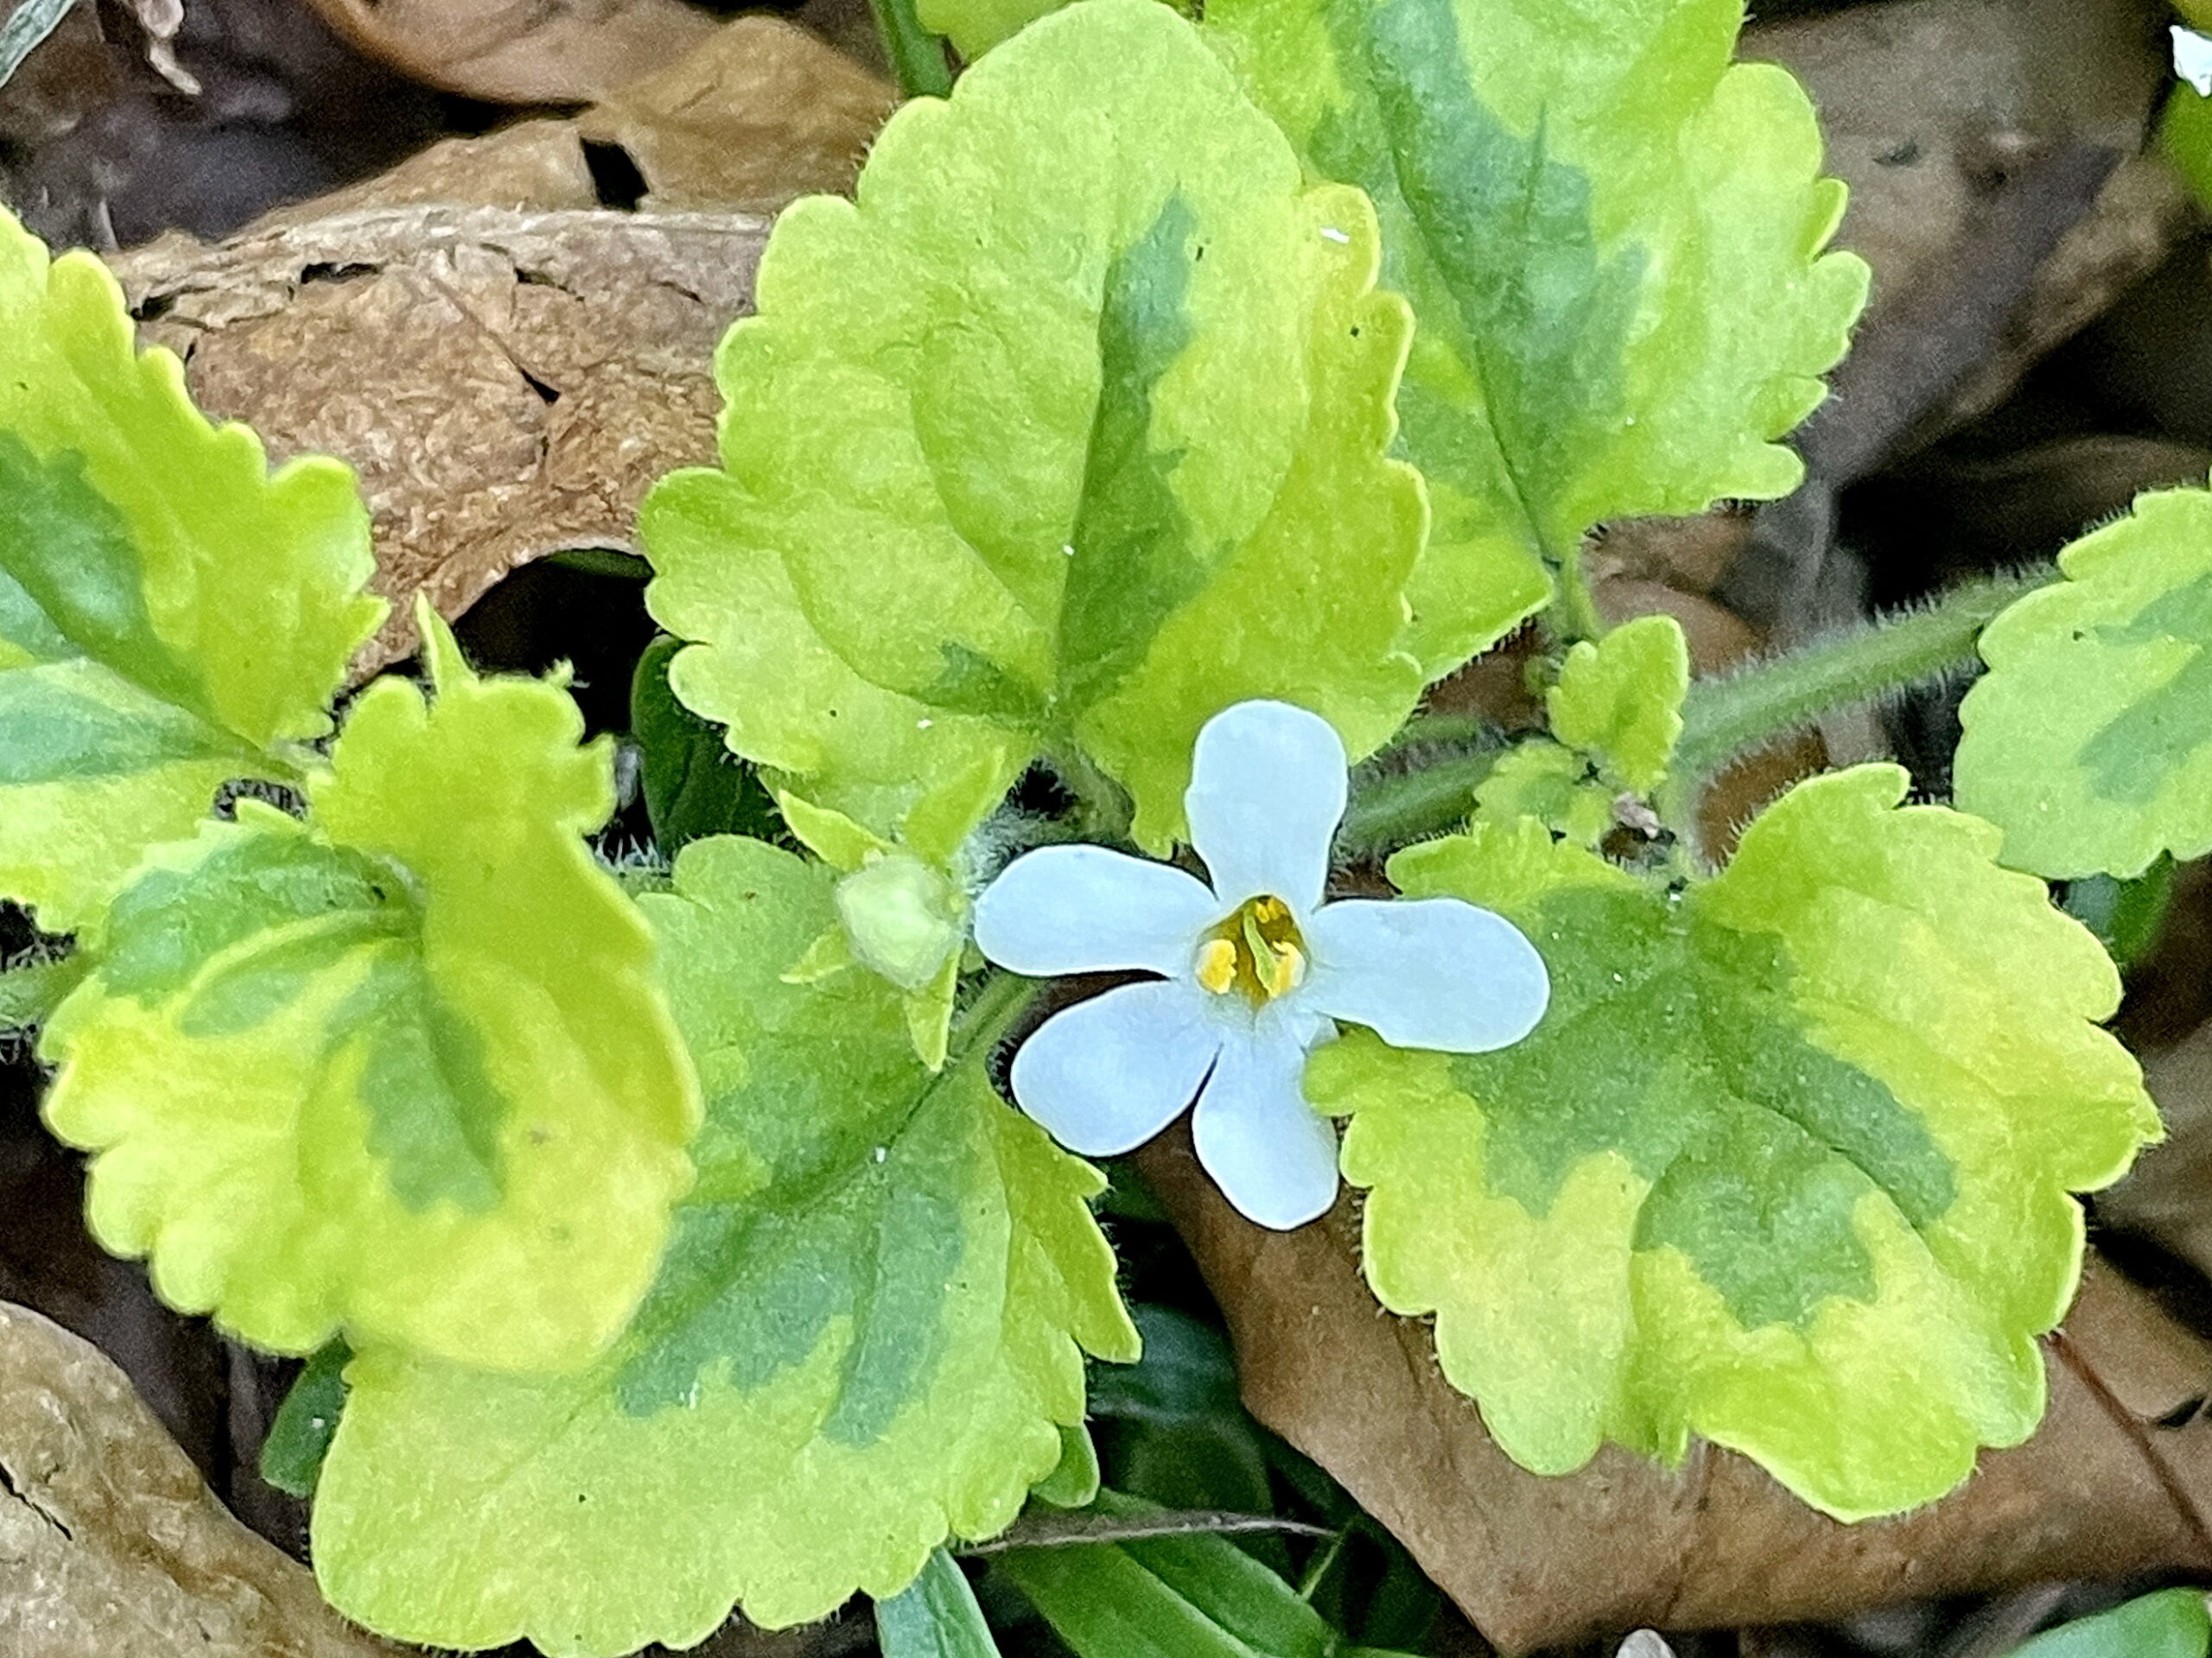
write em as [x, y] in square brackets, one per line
[1054, 1529]
[2170, 1484]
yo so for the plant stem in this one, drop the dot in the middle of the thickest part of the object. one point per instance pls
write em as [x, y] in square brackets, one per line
[998, 1001]
[1390, 810]
[1577, 605]
[1103, 810]
[916, 57]
[1746, 711]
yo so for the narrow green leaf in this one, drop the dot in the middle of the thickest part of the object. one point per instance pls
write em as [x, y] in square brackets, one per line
[1189, 1596]
[1788, 1165]
[2089, 741]
[299, 1438]
[1173, 1423]
[1612, 239]
[934, 1616]
[28, 25]
[402, 1071]
[172, 615]
[1067, 436]
[2172, 1624]
[866, 1338]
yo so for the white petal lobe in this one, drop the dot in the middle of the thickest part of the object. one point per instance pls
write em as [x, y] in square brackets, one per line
[1267, 792]
[1084, 909]
[2193, 60]
[1428, 973]
[1273, 1155]
[1109, 1074]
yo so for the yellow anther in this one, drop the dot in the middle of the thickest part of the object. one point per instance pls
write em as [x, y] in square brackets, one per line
[1280, 971]
[1217, 965]
[1256, 952]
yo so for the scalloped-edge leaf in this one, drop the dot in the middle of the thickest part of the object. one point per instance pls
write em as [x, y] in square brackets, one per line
[2089, 741]
[173, 615]
[867, 1336]
[1620, 700]
[1611, 239]
[1789, 1164]
[1068, 434]
[403, 1072]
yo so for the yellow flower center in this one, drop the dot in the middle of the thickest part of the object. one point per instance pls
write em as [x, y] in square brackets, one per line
[1258, 952]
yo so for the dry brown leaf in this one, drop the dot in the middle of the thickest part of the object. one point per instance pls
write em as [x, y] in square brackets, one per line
[1938, 112]
[110, 1545]
[507, 384]
[522, 51]
[73, 73]
[532, 165]
[2167, 1196]
[759, 113]
[2118, 1481]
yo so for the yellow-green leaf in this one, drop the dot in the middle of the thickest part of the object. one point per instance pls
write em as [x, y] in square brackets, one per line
[1612, 239]
[172, 615]
[403, 1072]
[1788, 1166]
[867, 1337]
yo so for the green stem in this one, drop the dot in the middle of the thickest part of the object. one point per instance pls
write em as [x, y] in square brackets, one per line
[1103, 810]
[990, 1014]
[1743, 712]
[1457, 730]
[916, 57]
[1577, 606]
[1396, 808]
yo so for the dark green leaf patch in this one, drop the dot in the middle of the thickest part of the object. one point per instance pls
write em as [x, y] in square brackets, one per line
[68, 550]
[75, 722]
[1133, 564]
[1674, 1044]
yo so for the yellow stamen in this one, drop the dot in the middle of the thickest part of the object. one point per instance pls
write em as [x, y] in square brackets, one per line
[1257, 952]
[1217, 965]
[1282, 972]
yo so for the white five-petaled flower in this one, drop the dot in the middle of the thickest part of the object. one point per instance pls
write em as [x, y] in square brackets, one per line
[1255, 970]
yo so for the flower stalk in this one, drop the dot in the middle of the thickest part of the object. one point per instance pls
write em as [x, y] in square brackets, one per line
[1741, 712]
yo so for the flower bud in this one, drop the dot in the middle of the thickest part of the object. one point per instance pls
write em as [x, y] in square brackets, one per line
[903, 917]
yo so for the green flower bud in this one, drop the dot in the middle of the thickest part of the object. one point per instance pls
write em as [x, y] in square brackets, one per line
[903, 917]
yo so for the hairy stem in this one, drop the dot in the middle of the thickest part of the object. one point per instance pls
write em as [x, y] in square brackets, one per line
[994, 1006]
[916, 57]
[1576, 607]
[1393, 809]
[1743, 712]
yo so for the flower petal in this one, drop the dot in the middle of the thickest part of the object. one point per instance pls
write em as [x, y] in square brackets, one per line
[1083, 909]
[1267, 792]
[1109, 1073]
[1427, 973]
[1273, 1155]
